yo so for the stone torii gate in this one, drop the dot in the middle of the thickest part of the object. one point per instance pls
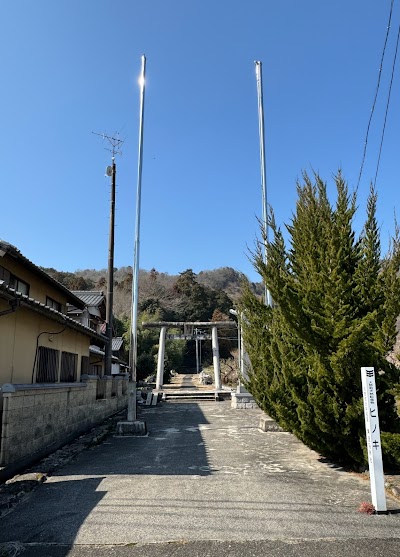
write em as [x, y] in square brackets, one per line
[187, 334]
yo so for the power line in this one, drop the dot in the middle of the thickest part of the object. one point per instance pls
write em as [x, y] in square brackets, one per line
[376, 92]
[387, 105]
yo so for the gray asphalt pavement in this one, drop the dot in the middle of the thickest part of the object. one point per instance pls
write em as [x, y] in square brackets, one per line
[259, 548]
[205, 482]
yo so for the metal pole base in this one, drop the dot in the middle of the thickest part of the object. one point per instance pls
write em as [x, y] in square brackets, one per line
[132, 426]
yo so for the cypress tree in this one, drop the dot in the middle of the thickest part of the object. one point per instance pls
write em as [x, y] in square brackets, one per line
[335, 309]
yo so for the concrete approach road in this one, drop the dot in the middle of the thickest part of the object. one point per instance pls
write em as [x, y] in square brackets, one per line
[205, 482]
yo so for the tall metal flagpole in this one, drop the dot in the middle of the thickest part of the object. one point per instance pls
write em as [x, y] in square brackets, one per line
[268, 300]
[132, 411]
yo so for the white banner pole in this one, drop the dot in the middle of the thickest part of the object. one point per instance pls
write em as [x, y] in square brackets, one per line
[373, 438]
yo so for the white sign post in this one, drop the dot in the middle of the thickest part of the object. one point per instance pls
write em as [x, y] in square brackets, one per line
[373, 437]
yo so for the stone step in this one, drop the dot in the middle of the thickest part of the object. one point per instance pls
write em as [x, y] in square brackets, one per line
[192, 394]
[191, 397]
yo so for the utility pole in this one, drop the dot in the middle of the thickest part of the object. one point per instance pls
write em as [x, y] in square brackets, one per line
[111, 171]
[267, 294]
[110, 275]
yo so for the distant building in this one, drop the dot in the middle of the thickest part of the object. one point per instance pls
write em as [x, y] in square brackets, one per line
[93, 315]
[119, 364]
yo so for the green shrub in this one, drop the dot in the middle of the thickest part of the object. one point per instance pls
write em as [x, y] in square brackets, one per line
[391, 448]
[145, 365]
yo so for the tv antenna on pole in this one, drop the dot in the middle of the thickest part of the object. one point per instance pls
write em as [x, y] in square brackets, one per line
[115, 143]
[111, 172]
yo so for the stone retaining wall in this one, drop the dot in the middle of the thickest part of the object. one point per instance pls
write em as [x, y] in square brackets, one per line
[37, 419]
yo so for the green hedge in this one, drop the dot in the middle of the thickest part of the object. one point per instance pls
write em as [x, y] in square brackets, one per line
[391, 448]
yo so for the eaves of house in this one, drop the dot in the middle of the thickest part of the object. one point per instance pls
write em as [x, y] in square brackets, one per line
[90, 297]
[96, 350]
[10, 294]
[12, 251]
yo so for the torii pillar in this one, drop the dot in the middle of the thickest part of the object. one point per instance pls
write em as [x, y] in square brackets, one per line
[215, 351]
[160, 360]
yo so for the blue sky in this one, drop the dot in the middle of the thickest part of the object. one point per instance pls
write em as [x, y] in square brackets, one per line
[71, 67]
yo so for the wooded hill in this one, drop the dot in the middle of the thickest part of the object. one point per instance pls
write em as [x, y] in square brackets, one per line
[160, 288]
[163, 297]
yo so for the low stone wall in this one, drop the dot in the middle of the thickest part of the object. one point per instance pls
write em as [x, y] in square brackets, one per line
[243, 400]
[37, 419]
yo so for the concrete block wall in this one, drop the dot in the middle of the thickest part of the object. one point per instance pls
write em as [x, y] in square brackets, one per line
[39, 418]
[242, 401]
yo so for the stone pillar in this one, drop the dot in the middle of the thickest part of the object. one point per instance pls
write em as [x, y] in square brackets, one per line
[5, 441]
[244, 365]
[215, 351]
[242, 398]
[160, 361]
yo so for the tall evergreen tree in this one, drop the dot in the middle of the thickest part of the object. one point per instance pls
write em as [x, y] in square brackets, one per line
[335, 309]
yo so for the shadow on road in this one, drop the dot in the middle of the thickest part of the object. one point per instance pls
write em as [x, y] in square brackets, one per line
[55, 512]
[174, 447]
[52, 514]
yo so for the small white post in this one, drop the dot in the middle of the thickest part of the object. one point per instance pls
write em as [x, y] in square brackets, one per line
[215, 351]
[373, 437]
[160, 361]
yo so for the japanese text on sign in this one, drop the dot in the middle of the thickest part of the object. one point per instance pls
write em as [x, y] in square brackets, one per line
[373, 438]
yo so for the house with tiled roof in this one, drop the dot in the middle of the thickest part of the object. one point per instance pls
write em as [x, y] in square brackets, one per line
[39, 341]
[50, 390]
[119, 355]
[94, 313]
